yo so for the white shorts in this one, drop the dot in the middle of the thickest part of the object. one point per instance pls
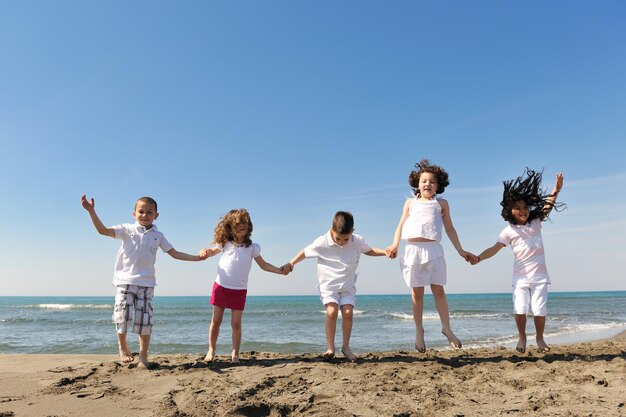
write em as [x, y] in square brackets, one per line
[422, 264]
[344, 297]
[534, 296]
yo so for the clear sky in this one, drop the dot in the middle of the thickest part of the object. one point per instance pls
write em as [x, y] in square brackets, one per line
[297, 109]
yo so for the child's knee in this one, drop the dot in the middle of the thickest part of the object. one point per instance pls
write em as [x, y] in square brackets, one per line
[437, 290]
[347, 312]
[216, 320]
[332, 311]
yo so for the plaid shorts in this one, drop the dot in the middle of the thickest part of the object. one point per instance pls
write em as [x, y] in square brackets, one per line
[133, 301]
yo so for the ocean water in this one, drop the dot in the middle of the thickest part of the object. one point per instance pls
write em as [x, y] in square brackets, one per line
[295, 324]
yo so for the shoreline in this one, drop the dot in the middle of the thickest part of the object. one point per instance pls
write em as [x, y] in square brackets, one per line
[586, 378]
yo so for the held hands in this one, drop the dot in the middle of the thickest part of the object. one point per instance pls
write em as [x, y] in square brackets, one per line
[286, 269]
[391, 251]
[206, 253]
[469, 257]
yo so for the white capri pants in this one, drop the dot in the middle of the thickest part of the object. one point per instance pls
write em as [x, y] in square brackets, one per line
[533, 297]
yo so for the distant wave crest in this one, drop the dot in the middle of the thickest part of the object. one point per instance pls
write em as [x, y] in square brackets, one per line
[73, 306]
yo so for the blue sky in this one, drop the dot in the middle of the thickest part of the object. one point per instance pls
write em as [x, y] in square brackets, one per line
[295, 110]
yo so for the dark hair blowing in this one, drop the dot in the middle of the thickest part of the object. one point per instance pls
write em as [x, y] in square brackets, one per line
[343, 223]
[424, 166]
[527, 188]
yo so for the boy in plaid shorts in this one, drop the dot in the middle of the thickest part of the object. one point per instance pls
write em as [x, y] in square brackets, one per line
[134, 275]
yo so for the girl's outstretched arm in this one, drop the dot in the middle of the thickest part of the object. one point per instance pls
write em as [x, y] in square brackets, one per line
[558, 184]
[392, 250]
[451, 232]
[266, 266]
[488, 253]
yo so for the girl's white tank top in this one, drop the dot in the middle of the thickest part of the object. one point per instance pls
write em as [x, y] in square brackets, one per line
[425, 220]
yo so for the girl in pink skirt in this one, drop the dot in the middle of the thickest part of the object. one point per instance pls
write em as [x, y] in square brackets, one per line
[232, 239]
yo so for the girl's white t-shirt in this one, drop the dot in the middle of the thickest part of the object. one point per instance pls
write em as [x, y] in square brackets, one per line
[234, 265]
[529, 266]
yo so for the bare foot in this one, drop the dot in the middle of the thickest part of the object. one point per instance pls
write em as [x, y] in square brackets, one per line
[348, 354]
[143, 362]
[234, 359]
[420, 344]
[521, 345]
[210, 356]
[543, 347]
[454, 341]
[126, 356]
[329, 354]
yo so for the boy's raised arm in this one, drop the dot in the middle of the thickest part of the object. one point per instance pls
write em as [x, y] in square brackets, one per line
[90, 206]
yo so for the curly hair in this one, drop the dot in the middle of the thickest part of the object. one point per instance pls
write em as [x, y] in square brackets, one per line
[226, 225]
[424, 166]
[527, 188]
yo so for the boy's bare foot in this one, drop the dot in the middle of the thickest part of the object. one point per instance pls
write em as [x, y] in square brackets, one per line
[543, 347]
[210, 356]
[521, 345]
[348, 354]
[329, 354]
[143, 362]
[454, 341]
[126, 356]
[235, 359]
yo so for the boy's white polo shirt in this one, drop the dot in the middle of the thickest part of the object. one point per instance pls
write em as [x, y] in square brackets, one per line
[336, 265]
[136, 257]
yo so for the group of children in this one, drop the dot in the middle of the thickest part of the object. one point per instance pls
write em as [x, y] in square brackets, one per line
[423, 219]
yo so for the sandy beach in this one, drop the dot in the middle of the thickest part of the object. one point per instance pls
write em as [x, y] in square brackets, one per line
[584, 379]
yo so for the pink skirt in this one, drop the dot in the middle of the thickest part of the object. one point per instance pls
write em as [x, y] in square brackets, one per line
[228, 298]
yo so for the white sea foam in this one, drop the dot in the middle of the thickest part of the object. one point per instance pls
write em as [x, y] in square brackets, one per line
[408, 316]
[354, 312]
[73, 306]
[479, 315]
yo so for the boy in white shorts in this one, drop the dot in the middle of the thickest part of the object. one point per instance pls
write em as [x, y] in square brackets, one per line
[134, 275]
[338, 252]
[525, 206]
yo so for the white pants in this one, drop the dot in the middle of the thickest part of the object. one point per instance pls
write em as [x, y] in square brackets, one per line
[532, 297]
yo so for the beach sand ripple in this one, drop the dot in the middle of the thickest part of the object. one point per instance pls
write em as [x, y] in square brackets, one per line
[575, 380]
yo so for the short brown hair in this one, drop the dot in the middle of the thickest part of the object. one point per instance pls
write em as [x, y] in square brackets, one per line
[343, 222]
[148, 200]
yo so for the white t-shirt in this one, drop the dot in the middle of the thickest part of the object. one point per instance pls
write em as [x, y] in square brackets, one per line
[529, 266]
[235, 264]
[336, 265]
[136, 257]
